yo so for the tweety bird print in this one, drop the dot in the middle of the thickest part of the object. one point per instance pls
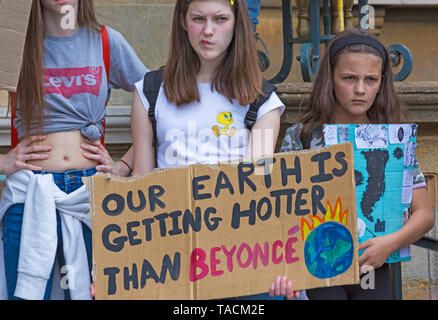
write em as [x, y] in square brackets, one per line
[225, 119]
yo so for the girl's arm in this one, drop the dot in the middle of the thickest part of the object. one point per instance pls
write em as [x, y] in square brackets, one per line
[422, 220]
[142, 136]
[264, 134]
[17, 158]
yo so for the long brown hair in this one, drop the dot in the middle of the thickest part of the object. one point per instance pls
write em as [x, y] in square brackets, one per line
[386, 108]
[238, 77]
[30, 89]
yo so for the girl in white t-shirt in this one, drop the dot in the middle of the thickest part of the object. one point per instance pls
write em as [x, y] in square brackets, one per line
[210, 78]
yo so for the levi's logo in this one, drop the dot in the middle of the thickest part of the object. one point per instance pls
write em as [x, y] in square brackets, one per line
[71, 81]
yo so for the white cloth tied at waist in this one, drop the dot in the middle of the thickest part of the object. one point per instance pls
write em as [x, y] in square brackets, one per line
[42, 198]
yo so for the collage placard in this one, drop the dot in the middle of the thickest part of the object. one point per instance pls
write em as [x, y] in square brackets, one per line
[384, 158]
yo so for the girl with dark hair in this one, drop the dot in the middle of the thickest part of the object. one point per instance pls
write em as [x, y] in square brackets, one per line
[354, 85]
[62, 91]
[209, 80]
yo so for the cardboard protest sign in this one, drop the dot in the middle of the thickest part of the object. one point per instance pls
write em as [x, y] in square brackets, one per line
[206, 232]
[14, 18]
[384, 157]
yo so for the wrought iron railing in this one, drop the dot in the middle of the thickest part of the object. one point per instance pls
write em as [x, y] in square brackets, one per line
[396, 270]
[311, 38]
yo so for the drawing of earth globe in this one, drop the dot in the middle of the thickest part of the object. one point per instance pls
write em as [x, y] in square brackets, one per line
[328, 250]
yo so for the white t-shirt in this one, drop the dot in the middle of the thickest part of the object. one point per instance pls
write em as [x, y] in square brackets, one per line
[206, 132]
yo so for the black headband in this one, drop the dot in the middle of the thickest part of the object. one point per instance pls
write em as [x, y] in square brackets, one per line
[341, 43]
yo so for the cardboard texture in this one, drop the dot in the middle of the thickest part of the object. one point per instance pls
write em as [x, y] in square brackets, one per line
[384, 158]
[14, 19]
[207, 232]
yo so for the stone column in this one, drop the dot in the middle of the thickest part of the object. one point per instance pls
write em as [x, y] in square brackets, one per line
[335, 22]
[348, 16]
[303, 28]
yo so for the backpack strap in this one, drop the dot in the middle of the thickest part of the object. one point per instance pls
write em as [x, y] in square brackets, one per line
[151, 88]
[251, 115]
[107, 61]
[14, 132]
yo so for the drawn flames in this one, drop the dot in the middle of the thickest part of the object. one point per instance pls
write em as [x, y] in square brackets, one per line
[335, 215]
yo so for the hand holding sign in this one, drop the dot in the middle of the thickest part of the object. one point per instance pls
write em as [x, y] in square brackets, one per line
[283, 287]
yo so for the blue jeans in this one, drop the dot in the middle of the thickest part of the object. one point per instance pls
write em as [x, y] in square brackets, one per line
[68, 182]
[253, 10]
